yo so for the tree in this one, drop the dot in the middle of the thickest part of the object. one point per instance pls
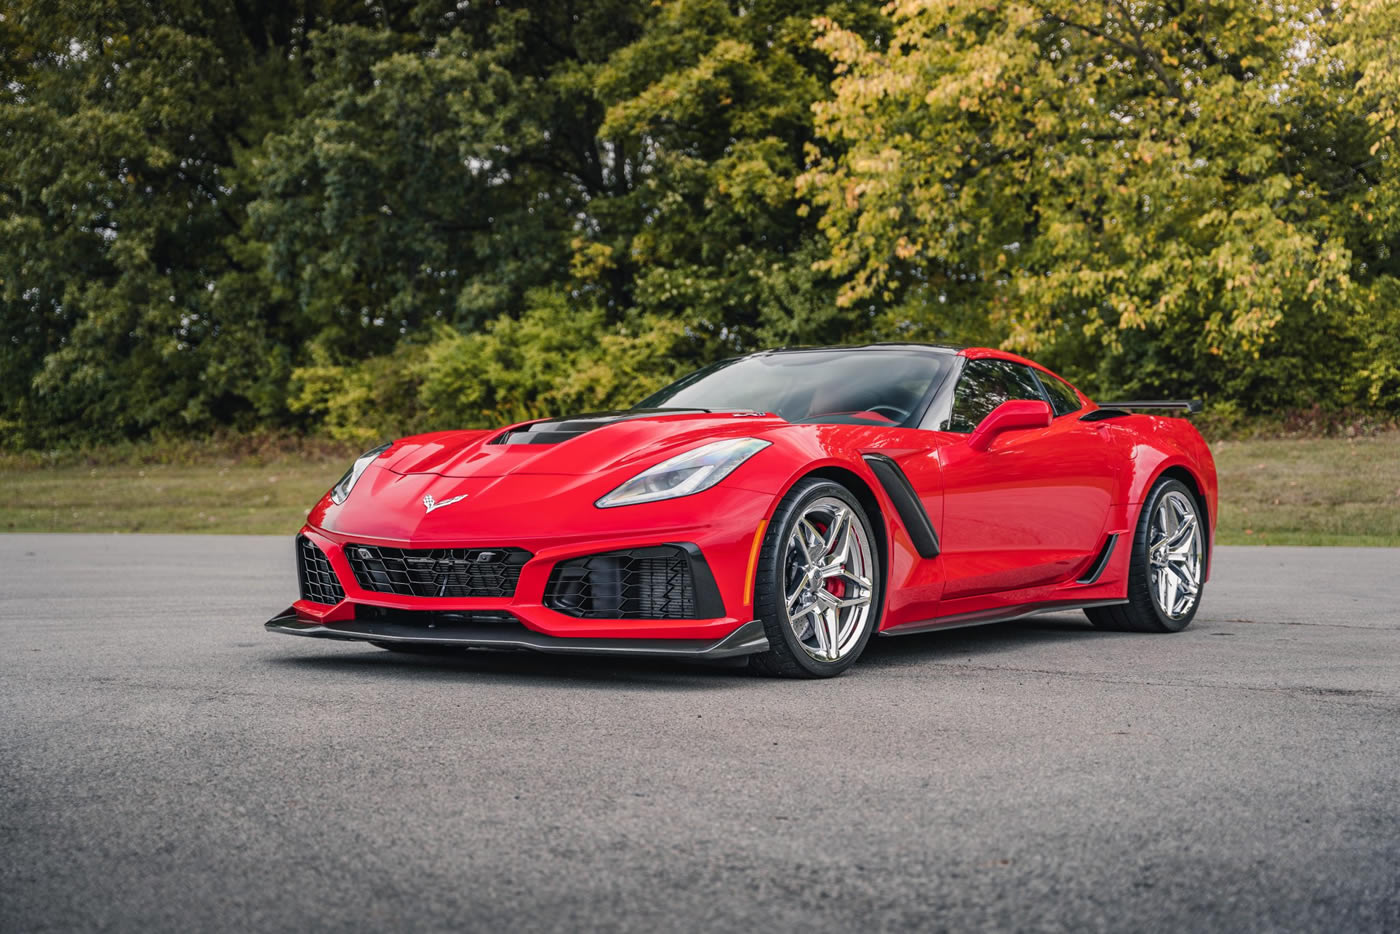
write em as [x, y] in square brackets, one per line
[128, 296]
[635, 162]
[221, 214]
[714, 104]
[1173, 197]
[436, 173]
[634, 157]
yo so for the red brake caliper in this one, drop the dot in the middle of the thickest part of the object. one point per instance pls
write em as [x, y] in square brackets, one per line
[833, 585]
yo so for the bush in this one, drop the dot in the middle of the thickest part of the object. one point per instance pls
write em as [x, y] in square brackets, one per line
[555, 359]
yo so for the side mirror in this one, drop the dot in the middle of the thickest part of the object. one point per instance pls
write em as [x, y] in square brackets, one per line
[1009, 416]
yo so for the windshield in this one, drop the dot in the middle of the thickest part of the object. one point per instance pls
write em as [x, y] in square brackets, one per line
[865, 387]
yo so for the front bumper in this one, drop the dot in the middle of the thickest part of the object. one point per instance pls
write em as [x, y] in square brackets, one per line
[745, 640]
[721, 542]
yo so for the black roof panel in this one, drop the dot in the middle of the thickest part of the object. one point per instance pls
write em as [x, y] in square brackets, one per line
[881, 345]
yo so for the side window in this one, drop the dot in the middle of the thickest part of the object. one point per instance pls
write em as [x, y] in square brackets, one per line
[1023, 382]
[984, 385]
[1062, 398]
[981, 388]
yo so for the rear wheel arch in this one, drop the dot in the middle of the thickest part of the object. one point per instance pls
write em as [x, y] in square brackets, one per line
[1183, 474]
[1165, 552]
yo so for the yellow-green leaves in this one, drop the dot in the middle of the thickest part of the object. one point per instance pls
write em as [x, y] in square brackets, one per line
[1077, 171]
[1195, 198]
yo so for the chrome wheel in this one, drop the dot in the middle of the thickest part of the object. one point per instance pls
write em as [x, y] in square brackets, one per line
[1175, 548]
[827, 573]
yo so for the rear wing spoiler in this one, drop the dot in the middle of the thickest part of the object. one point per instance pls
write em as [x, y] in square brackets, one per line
[1178, 405]
[1181, 405]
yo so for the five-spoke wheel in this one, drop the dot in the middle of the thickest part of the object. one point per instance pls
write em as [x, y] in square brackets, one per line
[1174, 554]
[818, 583]
[828, 579]
[1168, 565]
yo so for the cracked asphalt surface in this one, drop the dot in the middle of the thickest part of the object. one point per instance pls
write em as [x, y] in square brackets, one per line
[166, 765]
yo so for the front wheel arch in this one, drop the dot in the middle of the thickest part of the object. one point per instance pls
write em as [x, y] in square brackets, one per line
[864, 495]
[788, 654]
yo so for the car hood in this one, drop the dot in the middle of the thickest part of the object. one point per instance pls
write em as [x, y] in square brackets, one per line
[583, 445]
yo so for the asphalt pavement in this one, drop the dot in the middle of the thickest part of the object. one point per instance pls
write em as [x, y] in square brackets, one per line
[166, 765]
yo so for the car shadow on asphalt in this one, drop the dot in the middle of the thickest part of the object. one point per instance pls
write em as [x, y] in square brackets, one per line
[609, 673]
[980, 641]
[653, 673]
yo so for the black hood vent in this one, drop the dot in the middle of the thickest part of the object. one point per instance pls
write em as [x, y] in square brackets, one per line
[554, 430]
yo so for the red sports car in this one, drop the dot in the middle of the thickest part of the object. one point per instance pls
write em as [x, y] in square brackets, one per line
[785, 506]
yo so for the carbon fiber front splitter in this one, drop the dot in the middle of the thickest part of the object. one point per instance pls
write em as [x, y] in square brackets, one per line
[746, 640]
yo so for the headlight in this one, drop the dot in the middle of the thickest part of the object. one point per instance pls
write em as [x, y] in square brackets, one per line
[685, 473]
[341, 491]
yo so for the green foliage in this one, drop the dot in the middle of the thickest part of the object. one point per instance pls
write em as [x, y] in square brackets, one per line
[435, 174]
[369, 217]
[1159, 198]
[129, 299]
[557, 357]
[715, 101]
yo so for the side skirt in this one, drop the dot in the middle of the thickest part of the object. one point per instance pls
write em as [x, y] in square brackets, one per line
[1001, 614]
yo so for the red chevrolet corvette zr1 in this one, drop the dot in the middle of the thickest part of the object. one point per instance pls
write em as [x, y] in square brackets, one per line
[786, 506]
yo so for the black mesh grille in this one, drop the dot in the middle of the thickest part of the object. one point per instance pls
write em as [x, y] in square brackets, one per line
[437, 572]
[318, 581]
[645, 583]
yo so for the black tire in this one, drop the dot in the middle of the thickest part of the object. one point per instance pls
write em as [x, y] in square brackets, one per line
[1141, 613]
[785, 657]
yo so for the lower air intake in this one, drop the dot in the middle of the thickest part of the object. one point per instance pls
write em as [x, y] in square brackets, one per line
[318, 582]
[642, 583]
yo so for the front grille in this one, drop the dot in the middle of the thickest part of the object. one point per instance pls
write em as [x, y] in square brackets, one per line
[437, 572]
[318, 582]
[644, 583]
